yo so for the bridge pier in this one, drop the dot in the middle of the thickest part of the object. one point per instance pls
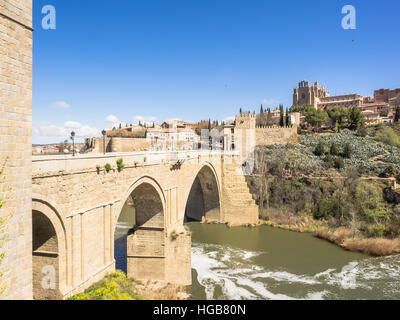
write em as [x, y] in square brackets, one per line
[153, 255]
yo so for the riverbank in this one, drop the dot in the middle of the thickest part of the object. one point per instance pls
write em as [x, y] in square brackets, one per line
[343, 237]
[116, 286]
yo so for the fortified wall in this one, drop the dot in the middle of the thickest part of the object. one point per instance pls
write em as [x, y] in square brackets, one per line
[15, 144]
[116, 144]
[265, 136]
[248, 136]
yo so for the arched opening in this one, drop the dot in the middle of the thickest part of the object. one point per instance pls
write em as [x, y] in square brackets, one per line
[45, 258]
[203, 200]
[139, 226]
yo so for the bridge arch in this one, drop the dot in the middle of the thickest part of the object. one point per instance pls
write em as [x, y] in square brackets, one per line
[49, 252]
[204, 195]
[139, 216]
[143, 180]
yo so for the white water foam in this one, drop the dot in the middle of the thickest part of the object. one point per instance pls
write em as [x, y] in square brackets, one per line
[234, 272]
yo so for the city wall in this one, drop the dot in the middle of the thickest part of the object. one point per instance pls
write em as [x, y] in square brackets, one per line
[265, 136]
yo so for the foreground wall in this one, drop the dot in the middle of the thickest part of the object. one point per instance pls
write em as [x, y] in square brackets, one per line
[15, 142]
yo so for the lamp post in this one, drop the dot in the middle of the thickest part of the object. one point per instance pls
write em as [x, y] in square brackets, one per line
[104, 141]
[73, 143]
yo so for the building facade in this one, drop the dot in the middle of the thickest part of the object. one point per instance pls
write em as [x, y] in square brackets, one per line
[376, 109]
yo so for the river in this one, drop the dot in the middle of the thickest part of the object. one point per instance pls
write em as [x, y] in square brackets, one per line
[269, 263]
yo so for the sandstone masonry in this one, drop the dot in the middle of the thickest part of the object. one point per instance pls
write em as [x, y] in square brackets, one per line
[15, 141]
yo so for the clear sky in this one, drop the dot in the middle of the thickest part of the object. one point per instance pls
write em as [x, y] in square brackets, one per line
[125, 60]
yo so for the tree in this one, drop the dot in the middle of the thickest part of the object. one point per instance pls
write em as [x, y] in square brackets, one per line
[397, 114]
[339, 117]
[302, 109]
[356, 118]
[120, 125]
[261, 110]
[269, 121]
[288, 120]
[263, 176]
[64, 146]
[282, 118]
[316, 117]
[240, 111]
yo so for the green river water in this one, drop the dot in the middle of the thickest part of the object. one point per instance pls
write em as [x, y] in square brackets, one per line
[269, 263]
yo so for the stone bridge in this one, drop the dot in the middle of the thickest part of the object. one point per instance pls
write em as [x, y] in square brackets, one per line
[76, 204]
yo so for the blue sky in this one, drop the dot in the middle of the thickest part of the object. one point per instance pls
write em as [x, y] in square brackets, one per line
[125, 60]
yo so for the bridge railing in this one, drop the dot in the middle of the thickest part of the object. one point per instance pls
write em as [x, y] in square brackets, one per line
[56, 163]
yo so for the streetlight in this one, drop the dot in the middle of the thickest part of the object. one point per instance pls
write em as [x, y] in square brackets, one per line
[104, 132]
[73, 143]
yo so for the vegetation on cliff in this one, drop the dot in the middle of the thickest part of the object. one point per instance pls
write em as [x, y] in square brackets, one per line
[335, 181]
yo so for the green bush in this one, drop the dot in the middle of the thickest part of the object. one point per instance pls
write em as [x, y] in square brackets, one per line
[319, 149]
[108, 167]
[334, 149]
[380, 230]
[114, 286]
[339, 163]
[347, 151]
[388, 172]
[387, 135]
[329, 160]
[120, 164]
[362, 131]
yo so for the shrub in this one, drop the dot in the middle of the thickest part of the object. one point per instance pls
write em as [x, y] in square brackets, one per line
[108, 167]
[329, 160]
[114, 286]
[387, 135]
[120, 164]
[339, 163]
[334, 149]
[319, 149]
[348, 151]
[362, 131]
[380, 230]
[362, 170]
[388, 172]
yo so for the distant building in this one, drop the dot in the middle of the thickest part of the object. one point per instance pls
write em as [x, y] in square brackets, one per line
[176, 134]
[305, 94]
[378, 109]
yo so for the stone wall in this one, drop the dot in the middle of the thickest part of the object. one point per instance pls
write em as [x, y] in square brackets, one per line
[276, 135]
[15, 141]
[117, 144]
